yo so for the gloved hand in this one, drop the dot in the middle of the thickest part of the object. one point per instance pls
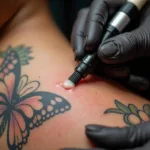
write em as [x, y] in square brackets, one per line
[88, 28]
[128, 138]
[87, 34]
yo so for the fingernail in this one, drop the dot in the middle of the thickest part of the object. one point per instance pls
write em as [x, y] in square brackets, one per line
[94, 128]
[109, 49]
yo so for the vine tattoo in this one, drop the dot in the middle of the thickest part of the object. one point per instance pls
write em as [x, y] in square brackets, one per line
[22, 106]
[131, 114]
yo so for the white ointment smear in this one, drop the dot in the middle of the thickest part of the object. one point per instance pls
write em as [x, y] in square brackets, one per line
[68, 84]
[59, 85]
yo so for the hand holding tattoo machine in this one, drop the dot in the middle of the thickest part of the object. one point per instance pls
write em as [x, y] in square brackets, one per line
[120, 21]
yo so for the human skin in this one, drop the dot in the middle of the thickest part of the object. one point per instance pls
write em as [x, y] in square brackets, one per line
[52, 63]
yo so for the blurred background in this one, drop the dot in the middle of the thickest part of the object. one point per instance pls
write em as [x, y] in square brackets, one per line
[65, 12]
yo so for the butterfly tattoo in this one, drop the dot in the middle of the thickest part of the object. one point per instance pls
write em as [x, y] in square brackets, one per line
[22, 107]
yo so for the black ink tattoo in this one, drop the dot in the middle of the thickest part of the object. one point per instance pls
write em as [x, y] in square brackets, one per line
[131, 114]
[22, 106]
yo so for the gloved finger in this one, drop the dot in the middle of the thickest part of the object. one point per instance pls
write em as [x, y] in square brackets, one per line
[78, 36]
[96, 20]
[123, 75]
[114, 5]
[119, 138]
[112, 71]
[125, 47]
[145, 147]
[139, 83]
[117, 72]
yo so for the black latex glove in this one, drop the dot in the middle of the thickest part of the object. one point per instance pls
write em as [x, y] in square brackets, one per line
[87, 34]
[88, 28]
[128, 138]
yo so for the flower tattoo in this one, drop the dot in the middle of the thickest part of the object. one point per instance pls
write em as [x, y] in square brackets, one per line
[131, 114]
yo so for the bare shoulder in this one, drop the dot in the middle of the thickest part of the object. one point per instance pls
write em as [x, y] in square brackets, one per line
[33, 105]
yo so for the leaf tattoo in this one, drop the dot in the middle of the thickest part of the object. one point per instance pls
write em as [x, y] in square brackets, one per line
[22, 51]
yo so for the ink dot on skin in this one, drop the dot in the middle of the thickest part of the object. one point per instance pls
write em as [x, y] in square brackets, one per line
[15, 61]
[57, 111]
[52, 114]
[58, 99]
[67, 107]
[44, 118]
[48, 115]
[10, 66]
[49, 108]
[53, 102]
[6, 70]
[62, 109]
[43, 112]
[31, 125]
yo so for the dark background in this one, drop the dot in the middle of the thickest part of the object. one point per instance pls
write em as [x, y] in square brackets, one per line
[65, 12]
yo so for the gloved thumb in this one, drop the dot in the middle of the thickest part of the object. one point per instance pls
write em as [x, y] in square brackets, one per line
[125, 47]
[119, 138]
